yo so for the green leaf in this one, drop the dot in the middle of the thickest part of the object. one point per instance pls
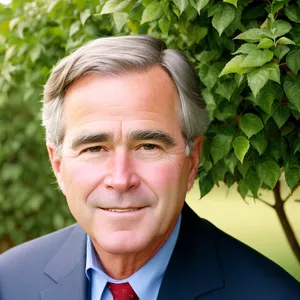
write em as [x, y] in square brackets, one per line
[281, 51]
[181, 4]
[292, 11]
[243, 188]
[281, 115]
[220, 147]
[265, 43]
[265, 98]
[152, 12]
[164, 24]
[257, 79]
[81, 4]
[250, 124]
[245, 49]
[85, 15]
[233, 2]
[210, 74]
[285, 41]
[241, 146]
[259, 142]
[273, 70]
[198, 4]
[222, 19]
[209, 101]
[257, 58]
[292, 177]
[234, 66]
[231, 162]
[280, 27]
[112, 6]
[287, 128]
[244, 167]
[292, 90]
[206, 183]
[226, 88]
[213, 9]
[253, 181]
[74, 28]
[293, 60]
[198, 33]
[254, 34]
[268, 172]
[120, 19]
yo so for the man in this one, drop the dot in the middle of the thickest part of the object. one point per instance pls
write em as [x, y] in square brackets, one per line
[124, 124]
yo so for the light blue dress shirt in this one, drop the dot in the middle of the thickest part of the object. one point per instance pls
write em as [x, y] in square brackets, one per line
[145, 282]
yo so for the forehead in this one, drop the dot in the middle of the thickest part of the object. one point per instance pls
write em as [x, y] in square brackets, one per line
[147, 99]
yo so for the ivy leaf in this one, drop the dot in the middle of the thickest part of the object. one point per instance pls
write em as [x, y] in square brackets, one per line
[243, 188]
[280, 27]
[281, 115]
[206, 183]
[265, 98]
[241, 146]
[292, 176]
[181, 4]
[226, 88]
[287, 128]
[120, 19]
[293, 13]
[85, 15]
[259, 142]
[74, 28]
[112, 6]
[253, 181]
[220, 146]
[245, 49]
[222, 19]
[209, 74]
[273, 70]
[233, 2]
[234, 66]
[257, 79]
[293, 60]
[268, 172]
[152, 12]
[292, 90]
[250, 124]
[231, 162]
[281, 51]
[257, 58]
[164, 24]
[265, 43]
[199, 4]
[254, 34]
[285, 41]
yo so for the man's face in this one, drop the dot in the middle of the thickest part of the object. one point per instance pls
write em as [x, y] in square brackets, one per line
[123, 167]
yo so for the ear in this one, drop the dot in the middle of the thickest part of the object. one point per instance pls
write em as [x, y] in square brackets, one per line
[194, 160]
[56, 162]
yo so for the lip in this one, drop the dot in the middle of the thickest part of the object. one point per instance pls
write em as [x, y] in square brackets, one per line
[123, 211]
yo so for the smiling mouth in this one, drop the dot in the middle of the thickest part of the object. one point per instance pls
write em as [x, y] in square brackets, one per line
[121, 210]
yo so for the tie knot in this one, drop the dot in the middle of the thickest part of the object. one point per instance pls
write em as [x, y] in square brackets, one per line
[122, 291]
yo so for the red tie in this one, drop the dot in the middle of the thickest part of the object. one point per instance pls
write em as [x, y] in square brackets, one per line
[122, 291]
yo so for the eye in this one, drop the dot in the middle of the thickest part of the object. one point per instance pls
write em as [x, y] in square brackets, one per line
[149, 147]
[93, 149]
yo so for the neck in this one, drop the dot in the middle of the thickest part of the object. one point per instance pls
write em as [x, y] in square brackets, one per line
[121, 266]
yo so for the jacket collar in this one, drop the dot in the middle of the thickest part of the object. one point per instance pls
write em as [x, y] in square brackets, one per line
[66, 269]
[194, 267]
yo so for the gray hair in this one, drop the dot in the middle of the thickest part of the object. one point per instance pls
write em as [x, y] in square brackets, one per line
[117, 56]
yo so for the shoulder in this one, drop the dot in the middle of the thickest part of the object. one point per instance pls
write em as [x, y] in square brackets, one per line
[22, 267]
[44, 246]
[243, 266]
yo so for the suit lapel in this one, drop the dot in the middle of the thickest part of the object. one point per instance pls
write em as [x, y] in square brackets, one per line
[194, 268]
[67, 269]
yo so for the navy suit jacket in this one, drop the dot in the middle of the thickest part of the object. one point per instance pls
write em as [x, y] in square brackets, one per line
[206, 264]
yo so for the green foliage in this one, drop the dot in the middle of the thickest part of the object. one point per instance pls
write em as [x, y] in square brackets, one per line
[247, 55]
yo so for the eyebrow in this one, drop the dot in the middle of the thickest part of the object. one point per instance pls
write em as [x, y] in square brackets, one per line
[138, 135]
[156, 135]
[84, 139]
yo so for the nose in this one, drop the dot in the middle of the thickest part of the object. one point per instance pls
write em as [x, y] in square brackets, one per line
[121, 175]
